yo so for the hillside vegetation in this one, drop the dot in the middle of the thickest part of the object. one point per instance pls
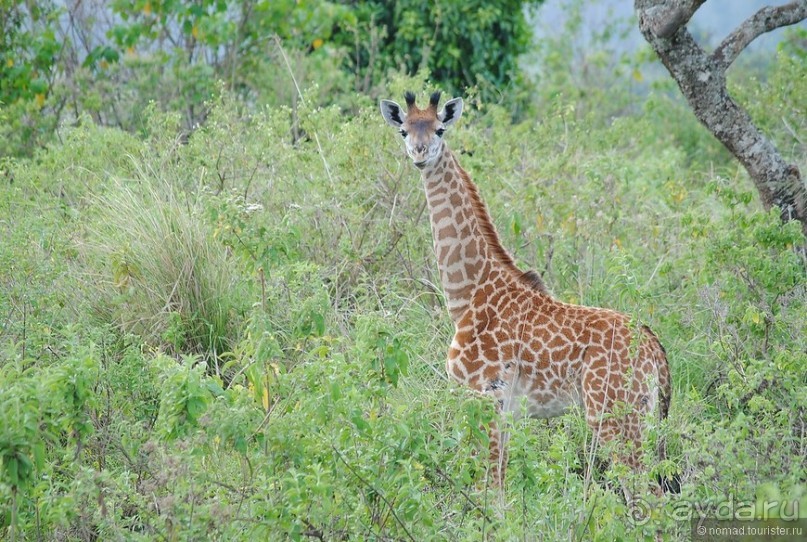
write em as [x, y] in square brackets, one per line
[238, 333]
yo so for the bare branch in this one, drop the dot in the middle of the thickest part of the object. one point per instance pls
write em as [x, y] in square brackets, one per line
[665, 17]
[766, 19]
[375, 491]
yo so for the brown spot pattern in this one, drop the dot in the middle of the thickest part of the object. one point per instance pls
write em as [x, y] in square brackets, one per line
[514, 341]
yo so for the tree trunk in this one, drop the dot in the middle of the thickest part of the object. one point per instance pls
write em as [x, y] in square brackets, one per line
[702, 79]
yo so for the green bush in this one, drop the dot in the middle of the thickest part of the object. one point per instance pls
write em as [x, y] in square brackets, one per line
[177, 54]
[29, 59]
[460, 44]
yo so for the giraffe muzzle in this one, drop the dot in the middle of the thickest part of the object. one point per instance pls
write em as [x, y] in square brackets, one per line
[420, 165]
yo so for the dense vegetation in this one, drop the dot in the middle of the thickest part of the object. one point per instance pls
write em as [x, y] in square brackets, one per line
[110, 59]
[238, 333]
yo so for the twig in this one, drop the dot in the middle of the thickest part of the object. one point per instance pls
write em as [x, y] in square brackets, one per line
[249, 181]
[231, 488]
[766, 19]
[791, 131]
[24, 326]
[588, 520]
[375, 491]
[264, 421]
[222, 178]
[468, 498]
[312, 532]
[302, 100]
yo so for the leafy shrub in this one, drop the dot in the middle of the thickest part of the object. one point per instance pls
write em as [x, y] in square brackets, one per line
[779, 88]
[29, 56]
[175, 54]
[48, 409]
[461, 44]
[753, 286]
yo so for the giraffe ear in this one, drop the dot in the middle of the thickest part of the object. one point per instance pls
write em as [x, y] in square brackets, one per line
[452, 110]
[392, 113]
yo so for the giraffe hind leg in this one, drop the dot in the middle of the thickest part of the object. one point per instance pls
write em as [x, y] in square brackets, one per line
[620, 437]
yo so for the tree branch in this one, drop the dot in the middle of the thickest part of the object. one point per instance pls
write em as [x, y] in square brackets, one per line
[665, 17]
[702, 80]
[374, 490]
[766, 19]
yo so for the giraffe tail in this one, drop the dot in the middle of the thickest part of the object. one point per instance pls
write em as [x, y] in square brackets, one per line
[668, 483]
[665, 391]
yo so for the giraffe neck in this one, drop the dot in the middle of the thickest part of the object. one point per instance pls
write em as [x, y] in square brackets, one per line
[466, 244]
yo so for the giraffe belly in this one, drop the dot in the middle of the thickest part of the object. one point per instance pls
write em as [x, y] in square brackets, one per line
[557, 405]
[540, 403]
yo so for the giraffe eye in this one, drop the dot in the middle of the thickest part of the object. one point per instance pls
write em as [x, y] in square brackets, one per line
[439, 132]
[403, 133]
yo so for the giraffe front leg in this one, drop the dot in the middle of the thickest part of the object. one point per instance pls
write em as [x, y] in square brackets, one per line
[468, 370]
[498, 450]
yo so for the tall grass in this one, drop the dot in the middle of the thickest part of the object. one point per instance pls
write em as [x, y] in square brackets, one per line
[159, 272]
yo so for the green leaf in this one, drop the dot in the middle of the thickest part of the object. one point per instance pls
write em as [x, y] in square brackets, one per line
[319, 324]
[360, 423]
[336, 392]
[39, 454]
[195, 406]
[214, 387]
[12, 471]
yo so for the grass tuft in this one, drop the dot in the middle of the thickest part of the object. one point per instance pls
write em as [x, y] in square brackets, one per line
[160, 273]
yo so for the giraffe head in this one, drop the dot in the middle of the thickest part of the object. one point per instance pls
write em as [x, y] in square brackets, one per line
[422, 129]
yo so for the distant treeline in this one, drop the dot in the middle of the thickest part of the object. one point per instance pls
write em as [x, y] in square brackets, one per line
[109, 60]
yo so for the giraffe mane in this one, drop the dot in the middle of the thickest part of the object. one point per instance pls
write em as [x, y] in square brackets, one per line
[491, 236]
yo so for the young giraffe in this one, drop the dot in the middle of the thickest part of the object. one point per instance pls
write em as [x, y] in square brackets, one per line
[512, 339]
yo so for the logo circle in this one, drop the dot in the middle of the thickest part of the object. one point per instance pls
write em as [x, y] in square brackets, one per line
[639, 512]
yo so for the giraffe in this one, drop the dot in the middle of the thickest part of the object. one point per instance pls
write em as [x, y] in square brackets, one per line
[513, 341]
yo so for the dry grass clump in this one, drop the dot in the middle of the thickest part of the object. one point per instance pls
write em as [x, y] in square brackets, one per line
[159, 272]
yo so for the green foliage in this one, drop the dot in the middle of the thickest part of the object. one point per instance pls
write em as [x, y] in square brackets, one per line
[60, 62]
[782, 94]
[388, 358]
[185, 397]
[46, 410]
[29, 55]
[235, 333]
[756, 304]
[461, 44]
[29, 50]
